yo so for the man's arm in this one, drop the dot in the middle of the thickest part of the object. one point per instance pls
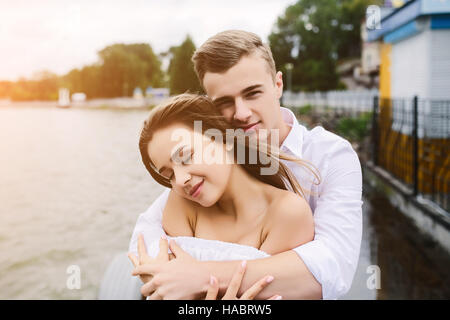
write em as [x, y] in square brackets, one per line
[292, 279]
[149, 224]
[333, 255]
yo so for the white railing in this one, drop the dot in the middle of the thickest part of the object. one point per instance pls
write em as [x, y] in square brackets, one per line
[360, 100]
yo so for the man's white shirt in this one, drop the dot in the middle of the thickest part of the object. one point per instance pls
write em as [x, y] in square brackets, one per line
[336, 203]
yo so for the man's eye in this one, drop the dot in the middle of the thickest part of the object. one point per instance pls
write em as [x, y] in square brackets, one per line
[253, 93]
[224, 104]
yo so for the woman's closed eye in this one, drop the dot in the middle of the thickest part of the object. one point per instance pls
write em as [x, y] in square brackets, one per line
[187, 159]
[168, 174]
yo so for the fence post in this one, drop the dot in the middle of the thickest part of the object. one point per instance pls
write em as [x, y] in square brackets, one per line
[375, 131]
[415, 148]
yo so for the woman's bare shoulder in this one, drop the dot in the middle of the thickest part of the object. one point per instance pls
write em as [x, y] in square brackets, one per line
[179, 216]
[289, 223]
[287, 203]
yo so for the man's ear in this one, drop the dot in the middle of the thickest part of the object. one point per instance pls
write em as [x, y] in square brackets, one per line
[279, 84]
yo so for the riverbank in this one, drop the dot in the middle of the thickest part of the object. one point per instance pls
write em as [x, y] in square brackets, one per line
[113, 103]
[431, 220]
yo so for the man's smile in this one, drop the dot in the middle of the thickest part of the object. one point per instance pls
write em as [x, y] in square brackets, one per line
[251, 126]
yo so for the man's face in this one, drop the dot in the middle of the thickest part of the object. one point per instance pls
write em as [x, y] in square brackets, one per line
[247, 95]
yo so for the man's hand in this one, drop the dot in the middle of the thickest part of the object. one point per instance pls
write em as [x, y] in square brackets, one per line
[235, 284]
[181, 278]
[145, 259]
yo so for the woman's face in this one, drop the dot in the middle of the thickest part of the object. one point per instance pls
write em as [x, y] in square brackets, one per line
[197, 167]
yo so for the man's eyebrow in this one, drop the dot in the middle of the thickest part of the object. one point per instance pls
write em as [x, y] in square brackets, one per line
[173, 154]
[256, 86]
[244, 91]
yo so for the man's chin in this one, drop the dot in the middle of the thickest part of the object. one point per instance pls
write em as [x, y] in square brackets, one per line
[260, 134]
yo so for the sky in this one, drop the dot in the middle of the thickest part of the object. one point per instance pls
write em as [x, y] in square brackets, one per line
[59, 35]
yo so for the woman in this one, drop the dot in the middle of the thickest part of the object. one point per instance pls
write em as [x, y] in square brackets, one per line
[223, 209]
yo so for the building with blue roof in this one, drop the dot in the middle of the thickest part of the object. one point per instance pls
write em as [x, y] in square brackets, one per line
[415, 50]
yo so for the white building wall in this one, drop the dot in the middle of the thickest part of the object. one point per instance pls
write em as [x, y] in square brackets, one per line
[440, 64]
[410, 66]
[421, 66]
[370, 57]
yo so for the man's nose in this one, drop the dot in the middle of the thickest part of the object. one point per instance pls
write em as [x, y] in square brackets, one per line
[182, 177]
[242, 113]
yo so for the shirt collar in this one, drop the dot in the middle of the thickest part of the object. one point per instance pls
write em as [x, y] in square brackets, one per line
[294, 140]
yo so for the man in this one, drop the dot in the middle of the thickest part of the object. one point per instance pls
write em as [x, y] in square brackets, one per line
[238, 73]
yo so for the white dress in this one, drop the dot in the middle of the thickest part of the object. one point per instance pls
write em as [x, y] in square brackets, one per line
[211, 250]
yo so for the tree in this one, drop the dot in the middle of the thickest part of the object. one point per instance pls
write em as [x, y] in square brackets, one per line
[125, 67]
[312, 35]
[121, 68]
[182, 77]
[5, 89]
[43, 86]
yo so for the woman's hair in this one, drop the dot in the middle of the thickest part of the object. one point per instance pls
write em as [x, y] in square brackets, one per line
[187, 108]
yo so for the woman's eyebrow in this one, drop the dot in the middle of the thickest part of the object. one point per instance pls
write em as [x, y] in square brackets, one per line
[171, 157]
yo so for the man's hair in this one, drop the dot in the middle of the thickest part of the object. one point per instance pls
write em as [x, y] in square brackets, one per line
[224, 50]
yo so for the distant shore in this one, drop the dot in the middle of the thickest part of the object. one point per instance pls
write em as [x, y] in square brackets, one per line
[112, 103]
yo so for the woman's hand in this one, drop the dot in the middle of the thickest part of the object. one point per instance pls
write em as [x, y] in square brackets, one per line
[235, 284]
[178, 279]
[145, 259]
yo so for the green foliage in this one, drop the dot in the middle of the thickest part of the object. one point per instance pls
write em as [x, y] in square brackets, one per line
[341, 86]
[86, 80]
[307, 109]
[313, 35]
[182, 77]
[125, 67]
[354, 129]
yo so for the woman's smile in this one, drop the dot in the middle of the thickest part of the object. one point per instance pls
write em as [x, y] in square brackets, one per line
[195, 191]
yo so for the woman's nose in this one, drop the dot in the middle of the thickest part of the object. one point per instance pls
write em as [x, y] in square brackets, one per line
[181, 177]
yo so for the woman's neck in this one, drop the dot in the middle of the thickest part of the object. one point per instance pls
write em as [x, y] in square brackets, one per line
[244, 196]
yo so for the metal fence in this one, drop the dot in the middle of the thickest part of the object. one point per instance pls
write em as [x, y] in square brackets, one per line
[409, 138]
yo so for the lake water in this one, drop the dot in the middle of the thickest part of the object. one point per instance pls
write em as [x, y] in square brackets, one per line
[72, 185]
